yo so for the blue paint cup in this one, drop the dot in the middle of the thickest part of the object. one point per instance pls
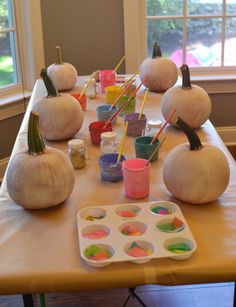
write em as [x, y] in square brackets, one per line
[105, 112]
[144, 149]
[110, 170]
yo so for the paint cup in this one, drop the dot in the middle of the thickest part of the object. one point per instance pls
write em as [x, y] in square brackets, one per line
[107, 78]
[144, 149]
[130, 90]
[105, 112]
[136, 174]
[82, 100]
[112, 92]
[110, 170]
[129, 108]
[135, 126]
[96, 129]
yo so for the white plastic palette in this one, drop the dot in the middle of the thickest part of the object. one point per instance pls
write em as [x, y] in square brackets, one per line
[150, 237]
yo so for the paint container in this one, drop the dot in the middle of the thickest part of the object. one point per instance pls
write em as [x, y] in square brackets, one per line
[92, 89]
[96, 129]
[129, 108]
[130, 90]
[108, 142]
[136, 174]
[144, 149]
[152, 128]
[105, 112]
[112, 92]
[107, 78]
[135, 126]
[110, 170]
[82, 100]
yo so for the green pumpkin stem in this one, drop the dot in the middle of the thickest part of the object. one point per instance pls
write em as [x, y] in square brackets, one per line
[52, 91]
[58, 56]
[194, 141]
[36, 144]
[186, 82]
[156, 51]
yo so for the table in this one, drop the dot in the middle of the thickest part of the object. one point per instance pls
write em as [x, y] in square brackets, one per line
[39, 249]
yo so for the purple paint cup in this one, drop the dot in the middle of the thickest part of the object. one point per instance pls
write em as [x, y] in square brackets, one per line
[135, 126]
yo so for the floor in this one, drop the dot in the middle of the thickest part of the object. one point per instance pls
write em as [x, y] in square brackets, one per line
[208, 295]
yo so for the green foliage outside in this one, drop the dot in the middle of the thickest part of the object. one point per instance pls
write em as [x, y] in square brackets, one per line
[6, 70]
[168, 32]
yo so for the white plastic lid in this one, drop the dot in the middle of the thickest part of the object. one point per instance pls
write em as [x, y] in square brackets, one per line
[110, 135]
[76, 143]
[154, 123]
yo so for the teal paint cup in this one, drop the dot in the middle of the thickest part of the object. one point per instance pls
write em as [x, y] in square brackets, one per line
[144, 149]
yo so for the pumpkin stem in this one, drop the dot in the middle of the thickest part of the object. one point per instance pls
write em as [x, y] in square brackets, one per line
[186, 82]
[156, 51]
[36, 144]
[52, 91]
[194, 141]
[58, 56]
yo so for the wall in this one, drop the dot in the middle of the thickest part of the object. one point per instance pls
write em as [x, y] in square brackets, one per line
[90, 33]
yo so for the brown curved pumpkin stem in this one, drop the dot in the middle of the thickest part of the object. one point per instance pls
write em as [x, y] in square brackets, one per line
[36, 144]
[156, 51]
[58, 56]
[194, 141]
[186, 82]
[52, 91]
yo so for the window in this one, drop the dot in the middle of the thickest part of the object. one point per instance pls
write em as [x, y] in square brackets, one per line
[9, 72]
[21, 48]
[201, 33]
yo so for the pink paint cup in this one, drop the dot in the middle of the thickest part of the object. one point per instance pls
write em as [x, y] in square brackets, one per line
[107, 78]
[136, 174]
[96, 129]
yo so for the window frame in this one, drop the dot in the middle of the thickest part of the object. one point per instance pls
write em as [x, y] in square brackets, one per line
[29, 49]
[214, 80]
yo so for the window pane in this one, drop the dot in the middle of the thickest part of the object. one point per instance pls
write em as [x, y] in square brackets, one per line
[231, 6]
[166, 7]
[8, 70]
[168, 33]
[230, 42]
[204, 45]
[204, 7]
[4, 14]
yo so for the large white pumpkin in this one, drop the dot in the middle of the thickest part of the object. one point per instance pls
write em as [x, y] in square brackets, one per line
[159, 73]
[191, 102]
[196, 173]
[41, 177]
[60, 115]
[63, 75]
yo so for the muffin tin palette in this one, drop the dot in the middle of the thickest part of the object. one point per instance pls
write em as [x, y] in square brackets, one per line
[133, 232]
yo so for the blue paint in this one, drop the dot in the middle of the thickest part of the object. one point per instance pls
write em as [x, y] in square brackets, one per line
[110, 170]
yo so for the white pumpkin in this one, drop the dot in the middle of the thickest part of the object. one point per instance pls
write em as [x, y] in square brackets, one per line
[159, 73]
[191, 102]
[198, 173]
[60, 115]
[41, 177]
[63, 75]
